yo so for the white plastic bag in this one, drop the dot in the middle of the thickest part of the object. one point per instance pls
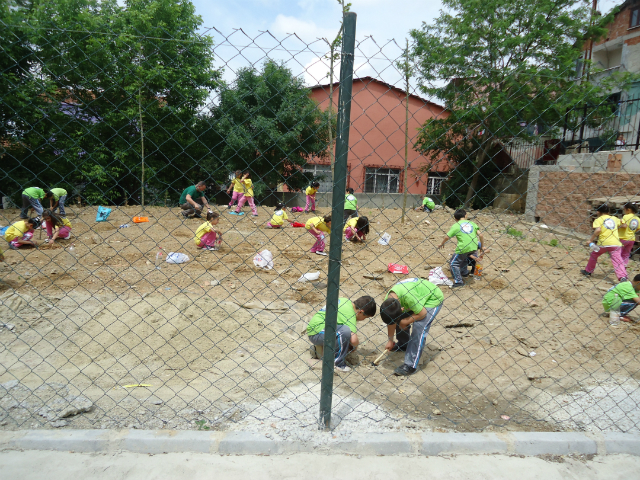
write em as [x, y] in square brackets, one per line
[386, 238]
[437, 277]
[175, 257]
[264, 259]
[309, 277]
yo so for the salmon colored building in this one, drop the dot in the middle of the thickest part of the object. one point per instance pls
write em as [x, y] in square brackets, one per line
[377, 136]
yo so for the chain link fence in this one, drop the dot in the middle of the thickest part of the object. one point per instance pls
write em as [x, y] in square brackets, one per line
[100, 331]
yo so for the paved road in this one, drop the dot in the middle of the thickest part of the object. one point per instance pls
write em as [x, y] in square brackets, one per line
[31, 465]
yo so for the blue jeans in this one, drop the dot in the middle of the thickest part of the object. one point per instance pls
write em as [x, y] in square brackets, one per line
[418, 337]
[460, 264]
[343, 337]
[28, 202]
[60, 205]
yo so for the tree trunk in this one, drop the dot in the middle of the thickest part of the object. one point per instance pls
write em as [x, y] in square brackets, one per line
[476, 175]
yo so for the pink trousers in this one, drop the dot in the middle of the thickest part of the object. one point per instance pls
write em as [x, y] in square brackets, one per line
[616, 260]
[311, 202]
[627, 246]
[252, 204]
[209, 239]
[63, 233]
[319, 245]
[273, 226]
[236, 197]
[27, 236]
[350, 233]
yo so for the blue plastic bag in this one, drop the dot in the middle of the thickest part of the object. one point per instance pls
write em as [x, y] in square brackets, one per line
[103, 214]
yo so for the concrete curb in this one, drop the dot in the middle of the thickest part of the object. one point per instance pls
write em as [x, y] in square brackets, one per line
[250, 443]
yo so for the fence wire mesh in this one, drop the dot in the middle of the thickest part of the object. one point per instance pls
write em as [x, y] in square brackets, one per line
[99, 331]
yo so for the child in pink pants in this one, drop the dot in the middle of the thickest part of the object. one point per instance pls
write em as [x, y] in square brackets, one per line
[606, 231]
[318, 226]
[207, 237]
[630, 225]
[57, 227]
[238, 189]
[248, 196]
[311, 197]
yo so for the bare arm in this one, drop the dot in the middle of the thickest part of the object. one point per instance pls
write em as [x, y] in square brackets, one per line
[391, 331]
[445, 240]
[405, 322]
[595, 235]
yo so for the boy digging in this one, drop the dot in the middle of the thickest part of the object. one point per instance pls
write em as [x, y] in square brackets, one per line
[467, 234]
[346, 337]
[628, 296]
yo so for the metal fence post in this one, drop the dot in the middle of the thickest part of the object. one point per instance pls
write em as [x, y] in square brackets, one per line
[337, 213]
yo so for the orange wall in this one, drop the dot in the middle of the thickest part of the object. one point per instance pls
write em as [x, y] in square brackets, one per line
[376, 137]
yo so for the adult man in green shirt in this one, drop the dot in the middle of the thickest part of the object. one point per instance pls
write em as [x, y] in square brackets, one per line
[31, 199]
[628, 298]
[467, 234]
[408, 310]
[192, 200]
[350, 204]
[57, 198]
[348, 314]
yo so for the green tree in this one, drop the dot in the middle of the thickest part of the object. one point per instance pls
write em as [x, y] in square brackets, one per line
[270, 125]
[500, 64]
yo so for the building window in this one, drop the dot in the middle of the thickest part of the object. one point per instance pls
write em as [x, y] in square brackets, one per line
[433, 184]
[321, 173]
[381, 180]
[634, 18]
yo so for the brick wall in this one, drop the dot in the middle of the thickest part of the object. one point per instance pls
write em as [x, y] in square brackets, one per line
[619, 27]
[562, 195]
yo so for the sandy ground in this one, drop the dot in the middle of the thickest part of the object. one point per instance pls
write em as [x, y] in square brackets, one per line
[522, 348]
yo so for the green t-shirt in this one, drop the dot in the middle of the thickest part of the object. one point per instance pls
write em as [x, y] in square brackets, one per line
[414, 294]
[350, 202]
[193, 191]
[34, 192]
[58, 192]
[346, 316]
[467, 234]
[428, 202]
[624, 290]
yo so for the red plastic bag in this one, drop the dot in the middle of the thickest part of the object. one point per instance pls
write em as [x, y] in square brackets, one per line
[297, 224]
[396, 268]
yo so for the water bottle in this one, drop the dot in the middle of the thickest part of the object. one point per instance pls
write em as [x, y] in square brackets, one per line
[478, 270]
[614, 311]
[159, 258]
[593, 247]
[72, 257]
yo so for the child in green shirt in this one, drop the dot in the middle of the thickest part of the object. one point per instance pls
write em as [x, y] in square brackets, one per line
[31, 199]
[627, 297]
[350, 205]
[346, 338]
[467, 234]
[427, 205]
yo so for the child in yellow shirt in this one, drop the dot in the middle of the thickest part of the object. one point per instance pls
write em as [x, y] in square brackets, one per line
[311, 197]
[627, 231]
[279, 216]
[238, 189]
[21, 233]
[356, 229]
[207, 237]
[318, 226]
[57, 227]
[247, 196]
[606, 231]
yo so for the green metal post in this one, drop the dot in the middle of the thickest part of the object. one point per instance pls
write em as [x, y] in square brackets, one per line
[337, 213]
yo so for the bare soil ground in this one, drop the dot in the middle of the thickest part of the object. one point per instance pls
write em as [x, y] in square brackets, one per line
[524, 347]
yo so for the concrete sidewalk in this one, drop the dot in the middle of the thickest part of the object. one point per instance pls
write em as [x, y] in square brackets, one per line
[36, 465]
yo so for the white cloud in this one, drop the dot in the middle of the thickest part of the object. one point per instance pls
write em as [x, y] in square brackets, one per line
[307, 30]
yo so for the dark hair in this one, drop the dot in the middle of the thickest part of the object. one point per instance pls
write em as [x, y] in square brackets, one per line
[367, 304]
[34, 221]
[636, 278]
[200, 184]
[247, 173]
[459, 214]
[49, 194]
[55, 219]
[350, 190]
[212, 215]
[631, 206]
[315, 184]
[362, 225]
[604, 208]
[390, 310]
[279, 206]
[238, 173]
[327, 218]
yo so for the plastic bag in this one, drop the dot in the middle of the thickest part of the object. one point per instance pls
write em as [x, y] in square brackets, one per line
[309, 277]
[264, 259]
[175, 257]
[396, 268]
[437, 277]
[3, 230]
[140, 219]
[297, 225]
[103, 214]
[386, 238]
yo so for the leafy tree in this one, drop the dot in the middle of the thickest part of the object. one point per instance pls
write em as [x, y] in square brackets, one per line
[500, 64]
[270, 125]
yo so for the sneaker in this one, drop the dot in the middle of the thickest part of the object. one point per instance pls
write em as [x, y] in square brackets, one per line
[185, 214]
[343, 369]
[239, 213]
[624, 318]
[321, 253]
[456, 285]
[254, 214]
[233, 213]
[404, 371]
[585, 273]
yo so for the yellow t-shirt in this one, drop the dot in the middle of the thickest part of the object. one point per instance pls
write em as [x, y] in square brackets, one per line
[66, 222]
[318, 224]
[633, 225]
[248, 187]
[311, 191]
[238, 186]
[17, 230]
[608, 230]
[350, 223]
[206, 227]
[279, 217]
